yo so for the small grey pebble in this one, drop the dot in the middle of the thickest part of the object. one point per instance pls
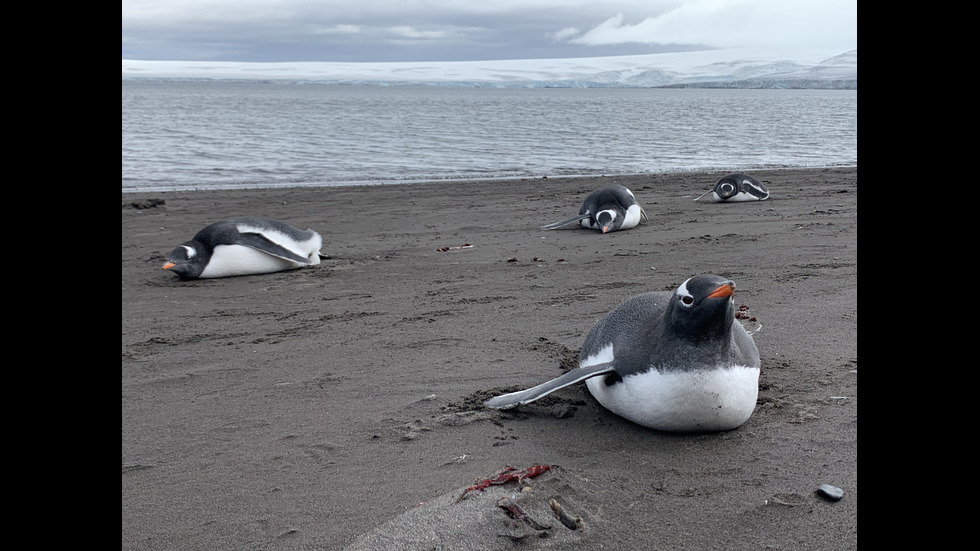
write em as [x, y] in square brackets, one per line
[830, 492]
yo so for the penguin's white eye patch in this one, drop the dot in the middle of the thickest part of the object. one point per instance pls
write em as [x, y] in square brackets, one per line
[686, 297]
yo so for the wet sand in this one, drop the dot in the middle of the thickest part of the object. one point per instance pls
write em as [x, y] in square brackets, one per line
[339, 407]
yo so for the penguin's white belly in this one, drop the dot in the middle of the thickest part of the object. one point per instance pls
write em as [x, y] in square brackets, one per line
[632, 217]
[740, 196]
[704, 400]
[235, 260]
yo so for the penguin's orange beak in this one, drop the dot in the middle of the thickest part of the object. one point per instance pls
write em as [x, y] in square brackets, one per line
[605, 229]
[168, 265]
[726, 290]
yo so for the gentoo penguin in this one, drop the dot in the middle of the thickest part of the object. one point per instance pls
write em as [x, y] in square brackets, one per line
[607, 209]
[671, 361]
[242, 246]
[738, 187]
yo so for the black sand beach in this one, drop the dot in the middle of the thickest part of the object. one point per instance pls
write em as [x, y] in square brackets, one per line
[340, 407]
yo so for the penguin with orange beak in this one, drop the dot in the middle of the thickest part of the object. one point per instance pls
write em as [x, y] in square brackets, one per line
[673, 361]
[606, 209]
[243, 246]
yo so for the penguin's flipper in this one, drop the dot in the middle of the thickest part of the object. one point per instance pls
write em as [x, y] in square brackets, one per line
[262, 243]
[505, 401]
[755, 189]
[703, 194]
[572, 220]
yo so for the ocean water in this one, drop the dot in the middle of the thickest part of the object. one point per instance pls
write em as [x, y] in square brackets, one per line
[179, 135]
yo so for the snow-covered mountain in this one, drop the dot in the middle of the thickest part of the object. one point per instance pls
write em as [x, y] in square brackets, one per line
[728, 68]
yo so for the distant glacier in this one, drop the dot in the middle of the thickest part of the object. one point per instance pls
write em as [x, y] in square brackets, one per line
[727, 68]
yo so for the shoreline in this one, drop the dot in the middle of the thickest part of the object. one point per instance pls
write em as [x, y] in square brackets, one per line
[238, 187]
[340, 406]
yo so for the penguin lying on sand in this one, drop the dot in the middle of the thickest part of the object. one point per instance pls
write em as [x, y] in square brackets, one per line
[606, 209]
[672, 361]
[243, 246]
[737, 187]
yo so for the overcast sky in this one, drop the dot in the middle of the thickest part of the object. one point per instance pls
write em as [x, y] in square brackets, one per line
[461, 30]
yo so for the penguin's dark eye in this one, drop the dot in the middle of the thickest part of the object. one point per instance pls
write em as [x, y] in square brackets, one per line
[688, 299]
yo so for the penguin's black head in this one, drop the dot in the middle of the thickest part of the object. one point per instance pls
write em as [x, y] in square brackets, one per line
[702, 308]
[186, 261]
[609, 219]
[727, 188]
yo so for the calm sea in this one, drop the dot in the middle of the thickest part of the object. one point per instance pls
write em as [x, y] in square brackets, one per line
[232, 135]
